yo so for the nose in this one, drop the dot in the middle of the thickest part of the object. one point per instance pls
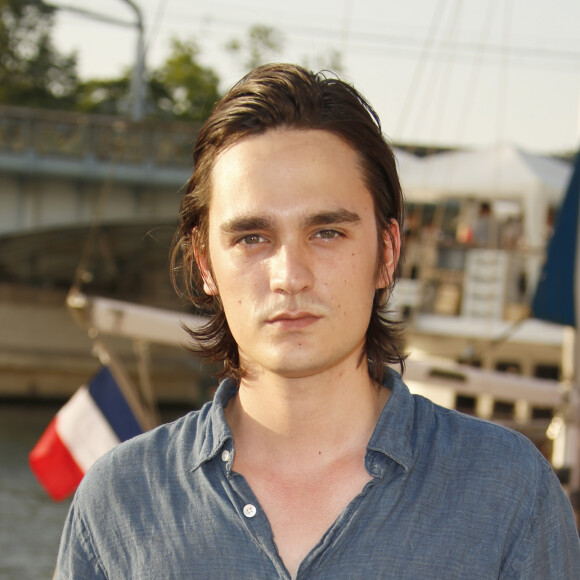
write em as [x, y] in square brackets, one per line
[290, 269]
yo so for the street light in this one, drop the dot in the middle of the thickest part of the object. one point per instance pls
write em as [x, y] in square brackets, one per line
[136, 94]
[137, 84]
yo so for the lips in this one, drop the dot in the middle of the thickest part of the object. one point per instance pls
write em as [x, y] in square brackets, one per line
[293, 320]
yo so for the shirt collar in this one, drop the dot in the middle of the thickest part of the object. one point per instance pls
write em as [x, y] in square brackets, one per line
[393, 434]
[392, 437]
[213, 429]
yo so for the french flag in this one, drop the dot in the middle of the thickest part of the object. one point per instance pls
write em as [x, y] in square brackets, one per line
[95, 419]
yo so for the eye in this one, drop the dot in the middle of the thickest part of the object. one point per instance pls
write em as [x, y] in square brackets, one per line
[251, 240]
[328, 234]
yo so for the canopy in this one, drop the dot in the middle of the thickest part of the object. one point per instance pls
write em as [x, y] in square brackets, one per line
[500, 172]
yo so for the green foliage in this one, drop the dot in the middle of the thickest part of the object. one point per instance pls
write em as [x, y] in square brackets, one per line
[32, 71]
[180, 89]
[260, 46]
[330, 60]
[185, 88]
[103, 96]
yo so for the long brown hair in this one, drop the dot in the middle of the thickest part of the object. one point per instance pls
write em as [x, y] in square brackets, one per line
[286, 96]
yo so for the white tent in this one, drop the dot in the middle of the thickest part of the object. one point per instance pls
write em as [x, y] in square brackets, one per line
[493, 174]
[502, 172]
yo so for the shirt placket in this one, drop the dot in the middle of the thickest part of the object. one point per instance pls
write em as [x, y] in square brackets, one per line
[251, 514]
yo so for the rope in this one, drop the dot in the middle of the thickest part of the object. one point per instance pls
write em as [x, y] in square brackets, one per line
[419, 69]
[475, 72]
[82, 273]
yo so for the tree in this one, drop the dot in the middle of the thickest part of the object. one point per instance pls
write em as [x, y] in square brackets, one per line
[180, 88]
[32, 71]
[330, 60]
[261, 44]
[104, 96]
[183, 86]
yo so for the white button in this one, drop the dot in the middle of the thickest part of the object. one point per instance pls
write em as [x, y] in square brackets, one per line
[225, 455]
[249, 510]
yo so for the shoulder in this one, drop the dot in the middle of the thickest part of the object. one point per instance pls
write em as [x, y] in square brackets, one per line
[479, 451]
[160, 457]
[145, 457]
[448, 437]
[496, 477]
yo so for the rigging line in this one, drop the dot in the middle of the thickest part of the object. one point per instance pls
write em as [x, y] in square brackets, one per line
[92, 237]
[490, 345]
[362, 38]
[502, 92]
[445, 73]
[462, 119]
[451, 164]
[418, 73]
[155, 27]
[347, 17]
[502, 85]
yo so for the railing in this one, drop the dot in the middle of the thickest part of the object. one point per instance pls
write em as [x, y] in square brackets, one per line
[80, 136]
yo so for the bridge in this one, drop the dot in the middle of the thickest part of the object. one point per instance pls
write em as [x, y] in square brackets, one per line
[54, 166]
[60, 174]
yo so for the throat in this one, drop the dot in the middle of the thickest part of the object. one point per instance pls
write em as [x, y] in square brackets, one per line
[302, 505]
[299, 418]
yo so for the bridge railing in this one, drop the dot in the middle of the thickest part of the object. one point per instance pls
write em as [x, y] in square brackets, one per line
[103, 138]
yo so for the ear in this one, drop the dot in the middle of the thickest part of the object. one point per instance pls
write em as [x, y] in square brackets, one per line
[209, 286]
[391, 250]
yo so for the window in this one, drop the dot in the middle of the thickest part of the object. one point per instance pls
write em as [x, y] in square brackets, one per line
[503, 410]
[546, 371]
[465, 404]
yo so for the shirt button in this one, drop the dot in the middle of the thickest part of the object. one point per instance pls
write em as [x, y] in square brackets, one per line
[225, 455]
[249, 510]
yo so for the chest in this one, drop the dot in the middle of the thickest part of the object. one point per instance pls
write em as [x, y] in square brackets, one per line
[386, 532]
[301, 509]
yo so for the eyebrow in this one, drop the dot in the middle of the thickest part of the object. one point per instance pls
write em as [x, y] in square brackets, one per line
[247, 223]
[338, 216]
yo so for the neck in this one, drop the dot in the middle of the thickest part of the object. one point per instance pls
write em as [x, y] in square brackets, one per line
[295, 420]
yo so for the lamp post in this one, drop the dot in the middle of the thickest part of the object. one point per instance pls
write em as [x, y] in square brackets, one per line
[136, 95]
[137, 80]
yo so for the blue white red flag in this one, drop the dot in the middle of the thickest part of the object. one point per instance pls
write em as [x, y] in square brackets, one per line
[556, 295]
[95, 419]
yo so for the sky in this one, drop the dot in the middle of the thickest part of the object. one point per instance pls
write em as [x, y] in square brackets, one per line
[467, 73]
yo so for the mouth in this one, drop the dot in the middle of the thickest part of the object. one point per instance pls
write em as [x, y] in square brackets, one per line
[293, 320]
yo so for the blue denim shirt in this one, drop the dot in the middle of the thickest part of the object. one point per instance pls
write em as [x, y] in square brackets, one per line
[450, 497]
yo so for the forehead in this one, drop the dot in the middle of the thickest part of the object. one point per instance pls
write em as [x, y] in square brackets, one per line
[288, 169]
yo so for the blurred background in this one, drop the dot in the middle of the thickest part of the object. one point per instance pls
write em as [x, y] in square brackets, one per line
[100, 103]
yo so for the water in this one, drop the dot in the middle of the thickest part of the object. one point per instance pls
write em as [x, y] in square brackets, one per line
[30, 522]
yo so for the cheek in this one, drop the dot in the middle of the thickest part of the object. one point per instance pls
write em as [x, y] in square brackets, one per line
[351, 289]
[239, 292]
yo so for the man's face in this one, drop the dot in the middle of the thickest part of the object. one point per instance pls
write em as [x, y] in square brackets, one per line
[293, 250]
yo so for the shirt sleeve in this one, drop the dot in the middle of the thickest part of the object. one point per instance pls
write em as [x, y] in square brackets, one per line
[549, 546]
[76, 558]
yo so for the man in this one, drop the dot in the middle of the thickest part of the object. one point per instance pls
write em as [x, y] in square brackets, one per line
[313, 460]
